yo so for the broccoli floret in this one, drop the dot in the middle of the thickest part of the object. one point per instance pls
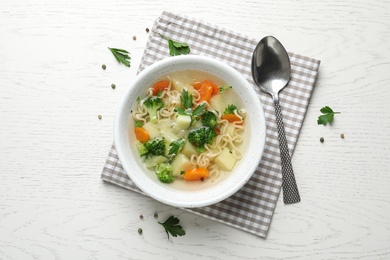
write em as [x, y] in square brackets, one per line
[153, 104]
[201, 136]
[164, 172]
[156, 146]
[230, 109]
[142, 149]
[223, 88]
[209, 119]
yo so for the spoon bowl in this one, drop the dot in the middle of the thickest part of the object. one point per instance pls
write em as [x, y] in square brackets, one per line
[271, 68]
[271, 71]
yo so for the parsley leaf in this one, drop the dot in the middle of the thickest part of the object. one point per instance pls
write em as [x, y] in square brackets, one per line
[176, 48]
[122, 56]
[176, 146]
[327, 116]
[186, 99]
[171, 226]
[199, 110]
[230, 109]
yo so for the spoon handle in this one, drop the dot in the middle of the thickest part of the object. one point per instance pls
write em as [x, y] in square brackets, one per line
[289, 185]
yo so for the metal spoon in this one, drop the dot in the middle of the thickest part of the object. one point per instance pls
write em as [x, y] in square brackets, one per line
[271, 71]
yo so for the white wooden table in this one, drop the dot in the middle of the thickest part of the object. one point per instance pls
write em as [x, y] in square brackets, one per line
[53, 204]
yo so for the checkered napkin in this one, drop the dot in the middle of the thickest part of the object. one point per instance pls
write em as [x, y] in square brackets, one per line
[252, 207]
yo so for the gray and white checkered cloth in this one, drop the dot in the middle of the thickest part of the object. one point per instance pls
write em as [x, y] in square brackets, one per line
[252, 207]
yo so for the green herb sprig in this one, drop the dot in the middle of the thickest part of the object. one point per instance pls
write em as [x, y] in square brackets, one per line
[186, 101]
[176, 48]
[224, 88]
[327, 116]
[122, 56]
[176, 146]
[171, 226]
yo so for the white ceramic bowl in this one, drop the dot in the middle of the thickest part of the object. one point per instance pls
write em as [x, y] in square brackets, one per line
[202, 193]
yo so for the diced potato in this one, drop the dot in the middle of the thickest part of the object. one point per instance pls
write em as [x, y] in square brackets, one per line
[225, 160]
[218, 103]
[188, 149]
[168, 135]
[154, 160]
[151, 129]
[180, 163]
[198, 124]
[183, 121]
[178, 84]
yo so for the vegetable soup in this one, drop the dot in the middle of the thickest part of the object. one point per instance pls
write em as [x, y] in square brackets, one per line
[189, 127]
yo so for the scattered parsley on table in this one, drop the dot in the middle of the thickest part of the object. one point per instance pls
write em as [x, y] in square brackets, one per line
[176, 48]
[122, 56]
[171, 226]
[327, 116]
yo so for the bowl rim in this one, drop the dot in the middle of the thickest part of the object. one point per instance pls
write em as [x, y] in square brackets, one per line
[120, 144]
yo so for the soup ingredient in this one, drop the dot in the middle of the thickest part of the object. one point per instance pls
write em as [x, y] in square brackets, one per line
[104, 66]
[176, 146]
[186, 101]
[160, 86]
[188, 149]
[327, 116]
[155, 146]
[113, 86]
[142, 149]
[183, 121]
[164, 172]
[223, 88]
[138, 124]
[176, 48]
[153, 161]
[140, 231]
[342, 136]
[171, 226]
[206, 90]
[141, 134]
[153, 104]
[180, 163]
[155, 215]
[231, 118]
[152, 129]
[321, 139]
[201, 136]
[141, 216]
[209, 119]
[230, 109]
[122, 56]
[229, 114]
[225, 160]
[196, 174]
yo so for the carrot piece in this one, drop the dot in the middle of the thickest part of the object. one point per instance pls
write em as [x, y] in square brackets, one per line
[217, 131]
[196, 174]
[141, 134]
[232, 118]
[197, 85]
[205, 92]
[213, 85]
[160, 86]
